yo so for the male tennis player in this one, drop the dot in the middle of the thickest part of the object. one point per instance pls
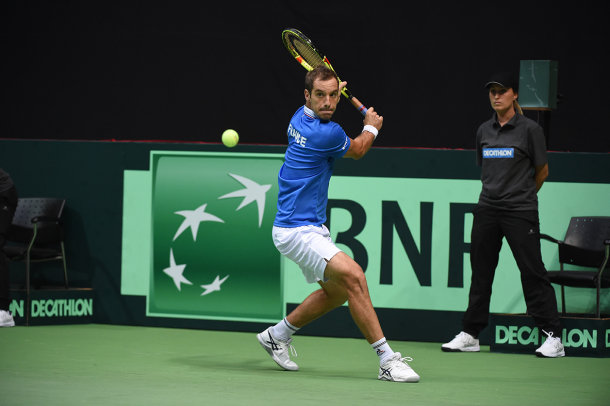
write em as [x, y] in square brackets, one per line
[314, 143]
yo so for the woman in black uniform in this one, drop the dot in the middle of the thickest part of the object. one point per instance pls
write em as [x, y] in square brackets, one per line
[512, 152]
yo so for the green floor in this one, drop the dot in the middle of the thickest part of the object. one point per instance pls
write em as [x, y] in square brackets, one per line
[119, 365]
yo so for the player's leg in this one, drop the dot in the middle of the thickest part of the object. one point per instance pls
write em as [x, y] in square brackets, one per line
[522, 232]
[345, 272]
[310, 248]
[276, 339]
[318, 303]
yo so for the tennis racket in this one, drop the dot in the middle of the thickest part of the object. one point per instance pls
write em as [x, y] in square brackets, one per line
[309, 57]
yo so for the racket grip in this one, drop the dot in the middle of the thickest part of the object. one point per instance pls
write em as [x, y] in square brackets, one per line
[358, 105]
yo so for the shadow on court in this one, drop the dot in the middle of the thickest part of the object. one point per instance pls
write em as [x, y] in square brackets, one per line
[264, 364]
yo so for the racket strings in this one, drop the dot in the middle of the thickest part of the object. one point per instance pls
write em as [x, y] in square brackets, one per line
[300, 47]
[310, 56]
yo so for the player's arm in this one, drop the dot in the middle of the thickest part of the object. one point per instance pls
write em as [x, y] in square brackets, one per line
[542, 171]
[360, 145]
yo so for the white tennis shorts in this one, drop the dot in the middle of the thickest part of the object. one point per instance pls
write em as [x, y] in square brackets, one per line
[310, 247]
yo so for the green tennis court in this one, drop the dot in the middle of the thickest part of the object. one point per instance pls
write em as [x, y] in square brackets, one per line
[119, 365]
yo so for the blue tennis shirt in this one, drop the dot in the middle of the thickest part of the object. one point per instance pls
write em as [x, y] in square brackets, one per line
[313, 147]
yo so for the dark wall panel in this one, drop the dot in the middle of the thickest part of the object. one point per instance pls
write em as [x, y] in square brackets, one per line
[154, 70]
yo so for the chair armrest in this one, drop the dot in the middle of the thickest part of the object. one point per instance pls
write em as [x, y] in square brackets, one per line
[46, 218]
[551, 239]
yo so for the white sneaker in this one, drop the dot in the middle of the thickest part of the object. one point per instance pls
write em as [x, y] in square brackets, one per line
[6, 319]
[551, 348]
[397, 370]
[278, 350]
[462, 342]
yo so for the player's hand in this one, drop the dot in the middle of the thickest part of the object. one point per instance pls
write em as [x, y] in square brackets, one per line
[374, 119]
[341, 86]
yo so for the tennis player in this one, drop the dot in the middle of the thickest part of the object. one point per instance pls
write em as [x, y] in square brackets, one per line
[512, 152]
[299, 233]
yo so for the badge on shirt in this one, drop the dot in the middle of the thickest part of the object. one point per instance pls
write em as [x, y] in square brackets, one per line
[498, 152]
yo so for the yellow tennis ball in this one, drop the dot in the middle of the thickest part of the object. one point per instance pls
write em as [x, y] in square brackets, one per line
[230, 138]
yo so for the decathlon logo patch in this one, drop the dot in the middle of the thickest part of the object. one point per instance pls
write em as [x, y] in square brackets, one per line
[498, 152]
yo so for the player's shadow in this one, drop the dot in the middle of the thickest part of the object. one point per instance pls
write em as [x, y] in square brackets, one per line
[266, 365]
[220, 362]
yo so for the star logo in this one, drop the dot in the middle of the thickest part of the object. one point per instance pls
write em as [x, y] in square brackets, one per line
[214, 212]
[252, 192]
[175, 271]
[192, 218]
[214, 286]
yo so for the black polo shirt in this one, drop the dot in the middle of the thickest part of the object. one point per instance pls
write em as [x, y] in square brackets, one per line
[508, 155]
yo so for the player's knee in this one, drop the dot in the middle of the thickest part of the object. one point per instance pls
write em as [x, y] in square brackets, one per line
[355, 280]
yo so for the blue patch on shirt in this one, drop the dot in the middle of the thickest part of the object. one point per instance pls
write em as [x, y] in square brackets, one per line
[498, 152]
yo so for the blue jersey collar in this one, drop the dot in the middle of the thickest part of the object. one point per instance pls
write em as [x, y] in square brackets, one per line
[310, 113]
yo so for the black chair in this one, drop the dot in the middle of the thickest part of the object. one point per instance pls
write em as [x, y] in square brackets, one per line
[37, 230]
[586, 244]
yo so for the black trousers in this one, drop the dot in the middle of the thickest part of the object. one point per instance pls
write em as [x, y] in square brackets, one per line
[522, 232]
[8, 204]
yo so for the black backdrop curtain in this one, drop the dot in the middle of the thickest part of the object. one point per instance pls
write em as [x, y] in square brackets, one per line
[186, 70]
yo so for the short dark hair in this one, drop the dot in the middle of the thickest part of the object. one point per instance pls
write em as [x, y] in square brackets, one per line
[321, 72]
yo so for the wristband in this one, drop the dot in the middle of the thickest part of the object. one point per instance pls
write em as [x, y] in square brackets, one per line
[371, 129]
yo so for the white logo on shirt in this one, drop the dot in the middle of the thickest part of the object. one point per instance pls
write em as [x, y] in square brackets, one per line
[498, 152]
[292, 132]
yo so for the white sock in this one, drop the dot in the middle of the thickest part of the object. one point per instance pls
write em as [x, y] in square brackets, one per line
[284, 330]
[383, 350]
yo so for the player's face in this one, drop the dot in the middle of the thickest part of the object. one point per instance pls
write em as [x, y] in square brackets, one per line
[501, 98]
[323, 98]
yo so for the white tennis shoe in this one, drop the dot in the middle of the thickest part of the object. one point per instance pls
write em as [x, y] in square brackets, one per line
[462, 342]
[6, 319]
[551, 348]
[278, 350]
[396, 369]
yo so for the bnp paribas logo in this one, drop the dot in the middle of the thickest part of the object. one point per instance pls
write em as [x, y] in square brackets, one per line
[213, 256]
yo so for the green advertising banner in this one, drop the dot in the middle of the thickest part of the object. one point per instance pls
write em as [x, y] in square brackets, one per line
[412, 238]
[211, 255]
[52, 306]
[581, 337]
[212, 216]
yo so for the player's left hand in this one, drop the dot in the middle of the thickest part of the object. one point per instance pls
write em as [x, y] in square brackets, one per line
[372, 118]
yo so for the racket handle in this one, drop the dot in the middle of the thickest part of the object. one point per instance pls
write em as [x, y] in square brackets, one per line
[358, 105]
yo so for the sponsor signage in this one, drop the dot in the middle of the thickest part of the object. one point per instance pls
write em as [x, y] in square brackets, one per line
[581, 337]
[211, 254]
[498, 152]
[50, 307]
